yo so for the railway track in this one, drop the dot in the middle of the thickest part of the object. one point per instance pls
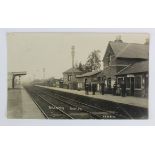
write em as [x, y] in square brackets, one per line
[113, 114]
[56, 106]
[48, 108]
[53, 108]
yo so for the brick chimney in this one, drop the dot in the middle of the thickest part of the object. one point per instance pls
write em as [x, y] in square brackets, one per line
[118, 39]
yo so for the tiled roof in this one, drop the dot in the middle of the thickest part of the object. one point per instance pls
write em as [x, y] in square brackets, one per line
[75, 70]
[117, 46]
[138, 67]
[130, 50]
[101, 74]
[89, 74]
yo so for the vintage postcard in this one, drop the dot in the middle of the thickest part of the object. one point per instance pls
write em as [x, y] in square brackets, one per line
[78, 75]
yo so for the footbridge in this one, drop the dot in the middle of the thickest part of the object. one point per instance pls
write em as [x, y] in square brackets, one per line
[12, 76]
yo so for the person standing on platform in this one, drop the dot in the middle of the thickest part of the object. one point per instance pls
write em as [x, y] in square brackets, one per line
[123, 88]
[86, 87]
[93, 88]
[89, 87]
[102, 88]
[118, 90]
[114, 88]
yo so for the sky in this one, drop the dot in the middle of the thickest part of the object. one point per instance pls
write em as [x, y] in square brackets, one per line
[31, 52]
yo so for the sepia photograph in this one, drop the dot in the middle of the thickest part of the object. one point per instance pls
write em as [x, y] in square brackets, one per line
[78, 75]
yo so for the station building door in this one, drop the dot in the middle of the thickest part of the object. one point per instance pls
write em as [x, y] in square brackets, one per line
[132, 86]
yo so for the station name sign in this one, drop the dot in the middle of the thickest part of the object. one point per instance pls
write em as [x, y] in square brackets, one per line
[130, 75]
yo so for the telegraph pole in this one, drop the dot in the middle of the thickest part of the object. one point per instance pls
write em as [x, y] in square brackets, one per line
[73, 55]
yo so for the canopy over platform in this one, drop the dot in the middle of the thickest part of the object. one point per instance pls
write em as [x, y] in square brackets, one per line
[19, 73]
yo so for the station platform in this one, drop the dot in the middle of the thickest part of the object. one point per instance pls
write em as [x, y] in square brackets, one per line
[129, 100]
[21, 106]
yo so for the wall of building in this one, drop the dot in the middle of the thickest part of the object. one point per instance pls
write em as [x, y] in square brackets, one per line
[90, 79]
[65, 78]
[73, 77]
[139, 92]
[72, 83]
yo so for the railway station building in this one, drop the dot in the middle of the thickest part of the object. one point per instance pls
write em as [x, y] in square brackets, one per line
[91, 78]
[128, 61]
[69, 78]
[136, 79]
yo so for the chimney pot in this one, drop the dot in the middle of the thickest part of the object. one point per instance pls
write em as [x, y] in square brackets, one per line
[118, 39]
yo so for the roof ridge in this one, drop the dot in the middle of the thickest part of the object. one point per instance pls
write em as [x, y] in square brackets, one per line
[128, 43]
[87, 74]
[72, 68]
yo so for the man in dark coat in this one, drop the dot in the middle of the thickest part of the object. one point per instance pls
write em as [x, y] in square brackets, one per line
[94, 87]
[102, 88]
[114, 88]
[123, 88]
[86, 87]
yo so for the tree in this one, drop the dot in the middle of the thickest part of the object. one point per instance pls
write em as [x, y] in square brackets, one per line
[80, 66]
[93, 61]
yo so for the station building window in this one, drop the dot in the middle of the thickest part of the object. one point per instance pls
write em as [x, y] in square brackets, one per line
[138, 82]
[119, 80]
[69, 77]
[109, 59]
[79, 85]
